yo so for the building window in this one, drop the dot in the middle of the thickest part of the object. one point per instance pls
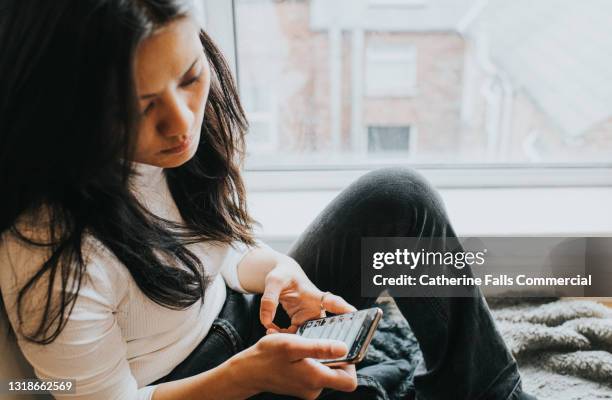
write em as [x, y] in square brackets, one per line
[391, 70]
[389, 139]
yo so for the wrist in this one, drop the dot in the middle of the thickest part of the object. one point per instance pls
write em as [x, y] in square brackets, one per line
[289, 263]
[229, 380]
[255, 266]
[241, 374]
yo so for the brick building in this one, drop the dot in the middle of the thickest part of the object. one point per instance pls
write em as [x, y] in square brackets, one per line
[419, 80]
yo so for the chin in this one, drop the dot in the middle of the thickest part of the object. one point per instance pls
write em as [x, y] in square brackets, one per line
[177, 160]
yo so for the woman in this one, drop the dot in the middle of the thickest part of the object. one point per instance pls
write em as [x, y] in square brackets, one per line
[124, 217]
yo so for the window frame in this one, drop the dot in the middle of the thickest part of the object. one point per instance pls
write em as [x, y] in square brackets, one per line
[222, 29]
[396, 3]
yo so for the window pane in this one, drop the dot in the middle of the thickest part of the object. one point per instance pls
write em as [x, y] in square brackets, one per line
[388, 139]
[352, 81]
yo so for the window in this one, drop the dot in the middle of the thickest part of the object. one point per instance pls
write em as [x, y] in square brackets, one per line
[391, 70]
[498, 111]
[260, 107]
[389, 139]
[486, 83]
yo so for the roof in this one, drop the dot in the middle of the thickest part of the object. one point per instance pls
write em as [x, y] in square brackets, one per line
[558, 51]
[389, 15]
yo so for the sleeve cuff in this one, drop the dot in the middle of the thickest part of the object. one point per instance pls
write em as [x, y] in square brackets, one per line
[146, 393]
[235, 253]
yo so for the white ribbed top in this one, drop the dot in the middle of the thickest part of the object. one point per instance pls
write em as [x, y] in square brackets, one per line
[117, 340]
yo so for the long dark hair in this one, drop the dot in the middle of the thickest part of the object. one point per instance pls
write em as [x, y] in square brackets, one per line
[68, 118]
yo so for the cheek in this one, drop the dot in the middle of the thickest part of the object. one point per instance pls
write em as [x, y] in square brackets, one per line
[202, 99]
[146, 133]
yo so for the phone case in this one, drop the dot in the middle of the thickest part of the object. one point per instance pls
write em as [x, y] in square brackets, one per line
[362, 341]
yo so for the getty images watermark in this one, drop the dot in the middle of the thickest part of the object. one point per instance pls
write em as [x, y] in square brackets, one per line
[498, 266]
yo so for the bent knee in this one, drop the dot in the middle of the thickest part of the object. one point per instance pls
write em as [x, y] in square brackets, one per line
[402, 187]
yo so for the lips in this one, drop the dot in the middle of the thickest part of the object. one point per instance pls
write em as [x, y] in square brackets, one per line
[180, 148]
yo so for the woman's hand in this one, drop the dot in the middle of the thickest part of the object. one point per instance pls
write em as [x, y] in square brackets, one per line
[288, 285]
[283, 363]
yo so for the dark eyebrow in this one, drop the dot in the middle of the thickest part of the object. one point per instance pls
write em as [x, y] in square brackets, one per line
[150, 95]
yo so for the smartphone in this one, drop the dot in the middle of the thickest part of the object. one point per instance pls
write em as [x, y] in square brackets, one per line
[355, 329]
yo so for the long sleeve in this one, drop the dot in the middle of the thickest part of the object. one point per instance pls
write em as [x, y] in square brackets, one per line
[233, 255]
[90, 348]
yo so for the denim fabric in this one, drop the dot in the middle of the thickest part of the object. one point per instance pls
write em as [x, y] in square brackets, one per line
[464, 357]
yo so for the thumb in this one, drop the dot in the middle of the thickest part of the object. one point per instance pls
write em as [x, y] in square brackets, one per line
[336, 304]
[301, 347]
[269, 301]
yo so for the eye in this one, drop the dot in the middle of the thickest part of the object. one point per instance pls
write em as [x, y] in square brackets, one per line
[148, 108]
[191, 81]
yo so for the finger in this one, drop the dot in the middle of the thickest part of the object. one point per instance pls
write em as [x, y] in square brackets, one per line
[348, 377]
[299, 347]
[301, 317]
[337, 305]
[342, 379]
[291, 329]
[269, 301]
[349, 368]
[271, 331]
[274, 326]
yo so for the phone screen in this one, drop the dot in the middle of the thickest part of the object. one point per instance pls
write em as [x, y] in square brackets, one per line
[351, 328]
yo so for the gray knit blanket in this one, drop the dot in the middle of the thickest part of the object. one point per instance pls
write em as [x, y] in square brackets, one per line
[563, 347]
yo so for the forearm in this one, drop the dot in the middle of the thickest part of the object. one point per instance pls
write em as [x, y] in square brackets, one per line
[223, 382]
[254, 267]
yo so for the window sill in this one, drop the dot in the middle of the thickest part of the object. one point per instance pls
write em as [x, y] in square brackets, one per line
[323, 175]
[552, 211]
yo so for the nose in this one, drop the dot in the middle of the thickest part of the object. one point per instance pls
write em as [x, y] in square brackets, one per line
[177, 118]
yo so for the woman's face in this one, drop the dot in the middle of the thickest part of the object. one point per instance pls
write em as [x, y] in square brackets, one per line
[172, 78]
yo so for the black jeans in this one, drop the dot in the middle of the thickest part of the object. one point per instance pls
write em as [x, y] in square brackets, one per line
[464, 357]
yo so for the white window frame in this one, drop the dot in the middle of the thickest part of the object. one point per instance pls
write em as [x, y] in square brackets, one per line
[220, 24]
[396, 3]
